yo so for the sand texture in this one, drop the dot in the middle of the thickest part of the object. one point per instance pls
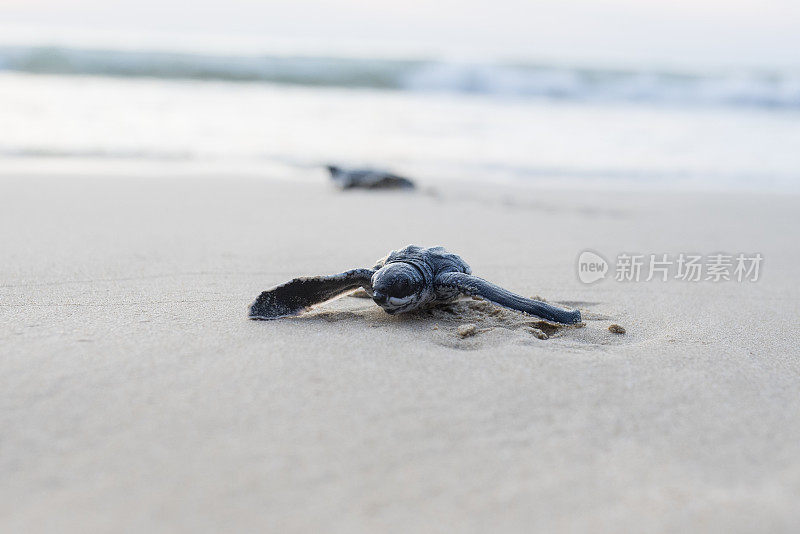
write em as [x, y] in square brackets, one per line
[135, 396]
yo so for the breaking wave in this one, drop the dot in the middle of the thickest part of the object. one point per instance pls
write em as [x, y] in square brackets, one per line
[741, 88]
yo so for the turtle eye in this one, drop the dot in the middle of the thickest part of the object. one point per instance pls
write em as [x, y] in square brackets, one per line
[401, 286]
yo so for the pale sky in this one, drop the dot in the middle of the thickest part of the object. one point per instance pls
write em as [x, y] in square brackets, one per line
[747, 32]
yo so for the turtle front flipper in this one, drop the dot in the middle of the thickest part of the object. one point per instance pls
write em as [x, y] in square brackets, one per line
[478, 287]
[296, 296]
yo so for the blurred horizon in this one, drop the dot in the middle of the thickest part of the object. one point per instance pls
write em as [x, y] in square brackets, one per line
[661, 34]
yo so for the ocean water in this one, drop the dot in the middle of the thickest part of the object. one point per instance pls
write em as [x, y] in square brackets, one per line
[84, 110]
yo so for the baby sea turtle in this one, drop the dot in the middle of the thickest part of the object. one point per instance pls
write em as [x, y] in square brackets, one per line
[367, 179]
[405, 280]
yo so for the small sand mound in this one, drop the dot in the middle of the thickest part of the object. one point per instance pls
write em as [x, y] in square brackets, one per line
[470, 316]
[467, 330]
[616, 329]
[538, 333]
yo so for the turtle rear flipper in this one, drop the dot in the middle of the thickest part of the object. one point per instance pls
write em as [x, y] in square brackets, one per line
[296, 296]
[478, 287]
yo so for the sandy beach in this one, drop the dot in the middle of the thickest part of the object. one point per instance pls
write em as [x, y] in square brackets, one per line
[136, 396]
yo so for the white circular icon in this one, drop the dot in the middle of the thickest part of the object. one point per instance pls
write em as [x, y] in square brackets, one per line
[591, 267]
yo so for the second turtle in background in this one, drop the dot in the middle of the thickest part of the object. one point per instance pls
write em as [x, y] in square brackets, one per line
[367, 179]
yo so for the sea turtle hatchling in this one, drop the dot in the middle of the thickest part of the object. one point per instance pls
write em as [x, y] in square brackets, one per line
[405, 280]
[367, 179]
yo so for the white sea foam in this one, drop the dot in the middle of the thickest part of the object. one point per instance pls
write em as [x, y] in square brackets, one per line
[519, 80]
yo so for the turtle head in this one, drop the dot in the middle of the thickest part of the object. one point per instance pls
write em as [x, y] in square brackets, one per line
[397, 287]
